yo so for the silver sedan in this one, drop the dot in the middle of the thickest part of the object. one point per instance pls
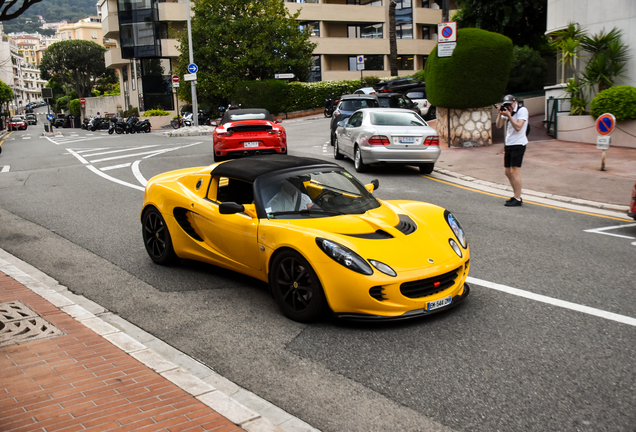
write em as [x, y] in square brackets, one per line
[378, 136]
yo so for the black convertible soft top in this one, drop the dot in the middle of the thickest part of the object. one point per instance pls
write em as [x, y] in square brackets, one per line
[249, 168]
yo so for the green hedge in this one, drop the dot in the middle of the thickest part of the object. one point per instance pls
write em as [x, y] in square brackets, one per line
[618, 100]
[475, 75]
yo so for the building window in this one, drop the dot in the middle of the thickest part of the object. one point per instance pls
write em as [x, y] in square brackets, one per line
[132, 74]
[426, 32]
[405, 62]
[368, 31]
[365, 2]
[371, 62]
[404, 19]
[316, 72]
[313, 27]
[155, 90]
[94, 34]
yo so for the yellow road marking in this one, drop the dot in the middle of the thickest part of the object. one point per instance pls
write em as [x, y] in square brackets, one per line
[529, 202]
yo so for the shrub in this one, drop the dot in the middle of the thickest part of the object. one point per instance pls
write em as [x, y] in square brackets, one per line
[475, 75]
[528, 70]
[619, 100]
[268, 94]
[75, 107]
[155, 112]
[62, 104]
[130, 112]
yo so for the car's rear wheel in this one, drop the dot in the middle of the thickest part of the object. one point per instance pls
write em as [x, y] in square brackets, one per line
[336, 150]
[358, 164]
[426, 168]
[296, 287]
[157, 237]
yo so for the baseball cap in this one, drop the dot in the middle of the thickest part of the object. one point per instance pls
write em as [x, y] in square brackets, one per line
[508, 99]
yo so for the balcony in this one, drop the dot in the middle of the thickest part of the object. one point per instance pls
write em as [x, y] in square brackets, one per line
[110, 26]
[338, 12]
[351, 46]
[427, 16]
[172, 11]
[170, 48]
[113, 59]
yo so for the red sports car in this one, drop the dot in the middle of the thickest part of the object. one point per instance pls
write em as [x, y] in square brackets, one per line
[632, 204]
[246, 132]
[17, 123]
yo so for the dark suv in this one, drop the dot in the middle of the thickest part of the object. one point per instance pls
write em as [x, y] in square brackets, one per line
[397, 100]
[399, 85]
[349, 104]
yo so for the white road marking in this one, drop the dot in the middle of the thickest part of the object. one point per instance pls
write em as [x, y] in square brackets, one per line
[125, 165]
[6, 168]
[130, 155]
[115, 180]
[602, 231]
[137, 173]
[555, 302]
[118, 151]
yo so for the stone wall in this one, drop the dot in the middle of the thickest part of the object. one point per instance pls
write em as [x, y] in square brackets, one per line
[468, 128]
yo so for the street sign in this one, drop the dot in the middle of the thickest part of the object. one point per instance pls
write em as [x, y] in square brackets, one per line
[175, 85]
[284, 76]
[49, 117]
[47, 93]
[192, 68]
[446, 49]
[175, 78]
[447, 32]
[82, 100]
[190, 77]
[605, 124]
[603, 142]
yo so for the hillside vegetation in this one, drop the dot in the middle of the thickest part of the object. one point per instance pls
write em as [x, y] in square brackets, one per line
[51, 11]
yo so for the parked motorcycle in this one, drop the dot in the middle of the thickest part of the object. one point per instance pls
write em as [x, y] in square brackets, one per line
[98, 123]
[133, 125]
[117, 125]
[86, 122]
[187, 118]
[330, 106]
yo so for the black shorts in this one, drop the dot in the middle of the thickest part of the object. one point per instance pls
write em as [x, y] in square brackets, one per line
[513, 155]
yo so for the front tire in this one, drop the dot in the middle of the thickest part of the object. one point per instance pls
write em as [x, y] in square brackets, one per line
[296, 288]
[336, 150]
[157, 238]
[358, 164]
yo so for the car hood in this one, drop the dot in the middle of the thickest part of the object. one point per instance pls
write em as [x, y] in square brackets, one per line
[402, 234]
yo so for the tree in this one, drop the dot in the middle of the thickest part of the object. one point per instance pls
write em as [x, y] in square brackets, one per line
[523, 21]
[77, 62]
[238, 40]
[392, 40]
[7, 12]
[528, 71]
[6, 93]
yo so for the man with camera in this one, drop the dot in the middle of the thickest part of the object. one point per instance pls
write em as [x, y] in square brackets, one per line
[516, 118]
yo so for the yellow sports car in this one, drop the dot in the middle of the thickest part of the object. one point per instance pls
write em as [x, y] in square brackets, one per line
[313, 232]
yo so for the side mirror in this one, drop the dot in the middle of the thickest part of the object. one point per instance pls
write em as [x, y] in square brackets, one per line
[278, 120]
[213, 123]
[231, 208]
[374, 185]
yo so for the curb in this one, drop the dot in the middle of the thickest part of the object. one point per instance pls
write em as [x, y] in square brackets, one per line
[238, 405]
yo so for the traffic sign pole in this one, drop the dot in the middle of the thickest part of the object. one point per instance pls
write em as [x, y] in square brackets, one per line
[193, 84]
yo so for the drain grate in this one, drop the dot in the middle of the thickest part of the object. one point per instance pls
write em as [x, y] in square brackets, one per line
[19, 324]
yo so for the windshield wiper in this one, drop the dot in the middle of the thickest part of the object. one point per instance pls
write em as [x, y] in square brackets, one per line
[307, 212]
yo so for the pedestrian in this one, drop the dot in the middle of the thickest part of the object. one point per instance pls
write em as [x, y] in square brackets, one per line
[516, 120]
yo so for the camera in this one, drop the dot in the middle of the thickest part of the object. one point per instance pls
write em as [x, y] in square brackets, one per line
[503, 108]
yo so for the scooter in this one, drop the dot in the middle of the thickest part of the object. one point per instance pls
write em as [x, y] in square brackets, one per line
[187, 118]
[117, 125]
[134, 125]
[86, 122]
[330, 106]
[98, 123]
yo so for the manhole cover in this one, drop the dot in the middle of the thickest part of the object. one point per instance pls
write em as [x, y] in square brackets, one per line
[19, 324]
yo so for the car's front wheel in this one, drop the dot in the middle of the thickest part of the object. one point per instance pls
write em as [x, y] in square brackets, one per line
[296, 288]
[157, 237]
[336, 150]
[358, 164]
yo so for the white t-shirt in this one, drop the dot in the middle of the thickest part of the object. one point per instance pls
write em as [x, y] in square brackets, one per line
[517, 137]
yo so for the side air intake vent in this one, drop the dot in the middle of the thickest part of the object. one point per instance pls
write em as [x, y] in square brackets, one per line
[406, 226]
[181, 216]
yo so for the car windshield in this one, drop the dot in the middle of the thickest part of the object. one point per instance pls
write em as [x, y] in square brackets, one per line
[356, 104]
[396, 119]
[16, 119]
[315, 194]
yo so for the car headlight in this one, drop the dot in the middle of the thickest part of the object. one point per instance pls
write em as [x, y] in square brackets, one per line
[455, 247]
[383, 268]
[344, 256]
[456, 227]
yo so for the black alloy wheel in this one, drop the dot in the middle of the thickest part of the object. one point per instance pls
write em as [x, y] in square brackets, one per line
[296, 288]
[157, 238]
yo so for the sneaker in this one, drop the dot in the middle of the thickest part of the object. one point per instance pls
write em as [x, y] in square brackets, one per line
[513, 202]
[511, 199]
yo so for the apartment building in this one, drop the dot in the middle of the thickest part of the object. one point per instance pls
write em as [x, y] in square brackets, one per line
[145, 35]
[23, 78]
[89, 29]
[145, 31]
[344, 29]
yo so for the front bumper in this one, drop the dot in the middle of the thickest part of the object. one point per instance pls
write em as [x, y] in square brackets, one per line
[407, 315]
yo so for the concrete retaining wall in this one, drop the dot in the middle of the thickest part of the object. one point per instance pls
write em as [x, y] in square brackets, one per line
[583, 129]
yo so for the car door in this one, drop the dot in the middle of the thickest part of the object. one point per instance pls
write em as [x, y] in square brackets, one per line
[232, 236]
[351, 130]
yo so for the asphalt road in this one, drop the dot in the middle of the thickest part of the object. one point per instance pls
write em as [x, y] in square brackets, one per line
[503, 360]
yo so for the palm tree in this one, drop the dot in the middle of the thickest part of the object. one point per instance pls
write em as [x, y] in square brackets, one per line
[608, 58]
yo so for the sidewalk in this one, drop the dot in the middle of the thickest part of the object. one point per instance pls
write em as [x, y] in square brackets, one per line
[65, 368]
[562, 170]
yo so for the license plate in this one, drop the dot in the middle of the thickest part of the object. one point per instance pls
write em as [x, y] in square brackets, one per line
[438, 303]
[407, 140]
[251, 144]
